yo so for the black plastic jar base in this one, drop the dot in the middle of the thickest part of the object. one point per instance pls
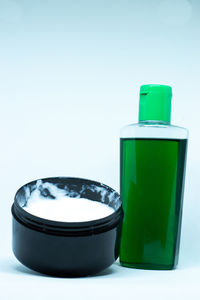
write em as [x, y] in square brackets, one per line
[67, 249]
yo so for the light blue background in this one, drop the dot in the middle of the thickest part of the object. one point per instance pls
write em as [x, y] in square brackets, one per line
[70, 73]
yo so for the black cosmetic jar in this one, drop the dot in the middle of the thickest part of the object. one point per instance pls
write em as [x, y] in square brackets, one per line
[69, 249]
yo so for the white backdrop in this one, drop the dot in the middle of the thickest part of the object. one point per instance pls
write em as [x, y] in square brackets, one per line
[70, 73]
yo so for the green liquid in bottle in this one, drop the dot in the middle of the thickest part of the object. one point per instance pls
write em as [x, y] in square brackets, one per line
[152, 179]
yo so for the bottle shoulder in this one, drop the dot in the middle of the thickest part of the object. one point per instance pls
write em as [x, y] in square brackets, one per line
[153, 130]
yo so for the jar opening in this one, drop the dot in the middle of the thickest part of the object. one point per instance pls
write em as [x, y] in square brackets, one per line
[71, 187]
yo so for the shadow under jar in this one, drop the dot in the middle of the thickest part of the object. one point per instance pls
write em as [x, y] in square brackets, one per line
[69, 249]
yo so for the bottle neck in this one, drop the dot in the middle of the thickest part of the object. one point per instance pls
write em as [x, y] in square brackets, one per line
[153, 122]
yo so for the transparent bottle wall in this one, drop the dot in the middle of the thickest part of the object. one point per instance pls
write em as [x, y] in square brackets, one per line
[152, 162]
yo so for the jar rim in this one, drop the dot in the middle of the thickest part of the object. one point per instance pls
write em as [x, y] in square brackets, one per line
[67, 228]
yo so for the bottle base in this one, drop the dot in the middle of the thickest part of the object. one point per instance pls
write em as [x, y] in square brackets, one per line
[146, 266]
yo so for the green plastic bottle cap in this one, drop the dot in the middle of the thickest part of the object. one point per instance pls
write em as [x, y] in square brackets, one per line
[155, 102]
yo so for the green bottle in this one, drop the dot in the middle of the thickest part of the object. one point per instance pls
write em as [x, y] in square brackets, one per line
[152, 168]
